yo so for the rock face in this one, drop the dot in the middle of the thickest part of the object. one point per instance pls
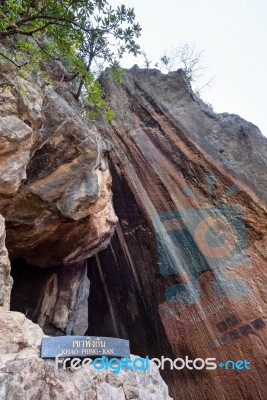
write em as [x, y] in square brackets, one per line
[20, 338]
[185, 273]
[55, 195]
[23, 375]
[5, 279]
[54, 180]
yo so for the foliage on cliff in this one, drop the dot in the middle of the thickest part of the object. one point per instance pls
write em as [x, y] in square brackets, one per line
[74, 32]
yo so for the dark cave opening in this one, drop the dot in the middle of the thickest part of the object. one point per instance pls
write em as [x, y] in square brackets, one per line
[28, 286]
[54, 297]
[101, 318]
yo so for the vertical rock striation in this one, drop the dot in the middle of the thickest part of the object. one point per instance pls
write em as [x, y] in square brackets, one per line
[185, 273]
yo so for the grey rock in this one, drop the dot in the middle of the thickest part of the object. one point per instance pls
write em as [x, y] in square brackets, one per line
[5, 279]
[55, 184]
[25, 376]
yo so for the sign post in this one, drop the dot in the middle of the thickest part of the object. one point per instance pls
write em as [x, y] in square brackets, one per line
[84, 346]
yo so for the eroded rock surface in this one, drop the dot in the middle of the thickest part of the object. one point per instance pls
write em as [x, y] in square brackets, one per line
[189, 189]
[5, 279]
[54, 179]
[185, 273]
[20, 338]
[25, 376]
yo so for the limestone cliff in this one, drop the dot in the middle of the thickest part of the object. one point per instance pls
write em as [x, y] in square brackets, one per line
[185, 273]
[55, 195]
[55, 183]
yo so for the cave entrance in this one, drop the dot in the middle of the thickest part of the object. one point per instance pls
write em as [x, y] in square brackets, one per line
[29, 287]
[56, 298]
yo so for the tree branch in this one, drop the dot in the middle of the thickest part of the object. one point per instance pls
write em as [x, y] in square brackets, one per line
[45, 51]
[41, 28]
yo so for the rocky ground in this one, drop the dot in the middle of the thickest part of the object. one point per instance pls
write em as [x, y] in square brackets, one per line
[24, 375]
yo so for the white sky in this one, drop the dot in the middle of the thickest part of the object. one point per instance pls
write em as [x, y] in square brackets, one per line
[233, 34]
